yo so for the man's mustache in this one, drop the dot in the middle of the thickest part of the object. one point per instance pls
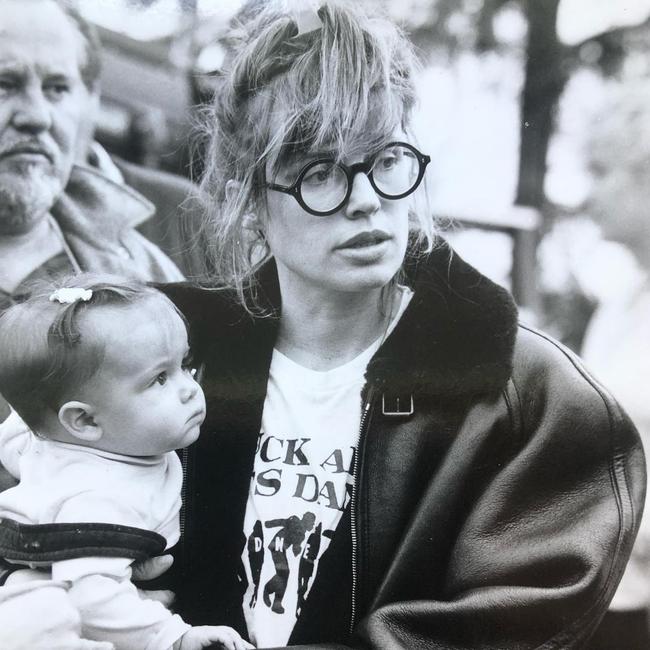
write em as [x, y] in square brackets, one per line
[27, 146]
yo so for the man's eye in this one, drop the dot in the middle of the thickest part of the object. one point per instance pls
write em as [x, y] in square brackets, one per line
[161, 379]
[57, 89]
[7, 84]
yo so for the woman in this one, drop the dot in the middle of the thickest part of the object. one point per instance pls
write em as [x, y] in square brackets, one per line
[388, 460]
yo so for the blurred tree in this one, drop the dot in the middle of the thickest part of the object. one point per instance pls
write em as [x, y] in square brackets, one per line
[544, 79]
[449, 26]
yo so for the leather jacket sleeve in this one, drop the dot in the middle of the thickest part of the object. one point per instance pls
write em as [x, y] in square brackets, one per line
[541, 545]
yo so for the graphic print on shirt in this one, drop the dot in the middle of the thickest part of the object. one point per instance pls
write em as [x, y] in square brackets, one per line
[255, 546]
[307, 561]
[291, 535]
[298, 494]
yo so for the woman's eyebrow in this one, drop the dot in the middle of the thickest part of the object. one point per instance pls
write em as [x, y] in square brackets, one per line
[323, 153]
[292, 163]
[297, 161]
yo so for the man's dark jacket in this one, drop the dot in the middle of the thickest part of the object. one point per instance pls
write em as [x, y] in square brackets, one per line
[499, 514]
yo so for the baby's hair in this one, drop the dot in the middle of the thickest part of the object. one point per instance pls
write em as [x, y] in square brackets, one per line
[346, 86]
[45, 354]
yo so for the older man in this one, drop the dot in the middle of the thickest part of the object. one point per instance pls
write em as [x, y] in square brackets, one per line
[55, 216]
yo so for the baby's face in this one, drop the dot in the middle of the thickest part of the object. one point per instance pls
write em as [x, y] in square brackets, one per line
[144, 396]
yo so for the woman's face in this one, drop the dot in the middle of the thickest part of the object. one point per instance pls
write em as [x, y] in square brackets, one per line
[358, 248]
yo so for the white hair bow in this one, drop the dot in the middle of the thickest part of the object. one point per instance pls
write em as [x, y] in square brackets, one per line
[70, 295]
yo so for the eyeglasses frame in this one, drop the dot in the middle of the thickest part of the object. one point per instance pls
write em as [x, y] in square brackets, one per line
[351, 171]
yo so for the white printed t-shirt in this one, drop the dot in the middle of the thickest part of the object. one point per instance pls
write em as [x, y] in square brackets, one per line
[301, 485]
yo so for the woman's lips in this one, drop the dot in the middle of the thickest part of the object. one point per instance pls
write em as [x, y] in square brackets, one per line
[365, 239]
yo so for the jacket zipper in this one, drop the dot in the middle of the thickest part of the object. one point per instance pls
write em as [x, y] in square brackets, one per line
[353, 504]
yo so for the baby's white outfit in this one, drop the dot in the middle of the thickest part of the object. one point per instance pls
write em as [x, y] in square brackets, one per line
[67, 483]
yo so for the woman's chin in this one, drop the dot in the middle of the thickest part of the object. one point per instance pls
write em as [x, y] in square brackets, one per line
[369, 278]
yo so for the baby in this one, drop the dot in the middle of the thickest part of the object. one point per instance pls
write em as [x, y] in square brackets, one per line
[100, 372]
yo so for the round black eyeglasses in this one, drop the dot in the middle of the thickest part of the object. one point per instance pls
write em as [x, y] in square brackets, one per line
[324, 186]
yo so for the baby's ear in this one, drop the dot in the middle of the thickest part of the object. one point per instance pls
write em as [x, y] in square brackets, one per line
[77, 419]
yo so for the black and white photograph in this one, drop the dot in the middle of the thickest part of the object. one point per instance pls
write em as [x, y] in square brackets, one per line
[324, 324]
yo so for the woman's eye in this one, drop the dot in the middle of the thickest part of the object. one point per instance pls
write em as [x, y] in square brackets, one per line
[319, 176]
[161, 379]
[387, 161]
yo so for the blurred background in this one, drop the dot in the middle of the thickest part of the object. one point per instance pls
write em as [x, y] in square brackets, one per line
[534, 114]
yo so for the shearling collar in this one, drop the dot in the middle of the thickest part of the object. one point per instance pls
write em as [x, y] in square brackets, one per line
[455, 338]
[97, 208]
[457, 335]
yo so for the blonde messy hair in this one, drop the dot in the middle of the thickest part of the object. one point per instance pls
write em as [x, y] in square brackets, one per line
[345, 87]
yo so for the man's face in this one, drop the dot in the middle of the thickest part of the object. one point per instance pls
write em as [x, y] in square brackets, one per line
[43, 101]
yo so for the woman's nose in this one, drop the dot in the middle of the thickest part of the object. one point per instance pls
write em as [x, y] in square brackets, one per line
[363, 199]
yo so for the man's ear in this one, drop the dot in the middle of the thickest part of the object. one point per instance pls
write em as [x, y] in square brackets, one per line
[77, 419]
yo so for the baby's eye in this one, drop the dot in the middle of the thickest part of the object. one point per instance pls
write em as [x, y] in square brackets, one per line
[161, 379]
[188, 364]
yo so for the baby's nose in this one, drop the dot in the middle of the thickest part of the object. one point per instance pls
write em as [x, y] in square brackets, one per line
[189, 389]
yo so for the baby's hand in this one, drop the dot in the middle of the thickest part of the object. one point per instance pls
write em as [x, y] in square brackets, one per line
[204, 636]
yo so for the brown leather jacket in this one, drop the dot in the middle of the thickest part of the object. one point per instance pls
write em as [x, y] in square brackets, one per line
[495, 508]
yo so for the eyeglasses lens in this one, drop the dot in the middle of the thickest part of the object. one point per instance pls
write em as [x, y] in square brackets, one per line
[324, 186]
[395, 170]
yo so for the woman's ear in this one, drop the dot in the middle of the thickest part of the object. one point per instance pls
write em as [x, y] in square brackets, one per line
[251, 224]
[251, 221]
[232, 187]
[77, 419]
